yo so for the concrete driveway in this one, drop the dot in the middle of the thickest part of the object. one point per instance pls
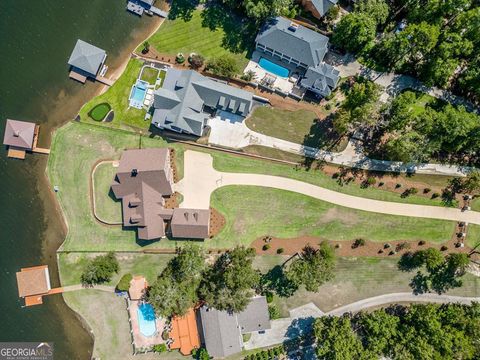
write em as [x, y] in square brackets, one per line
[201, 180]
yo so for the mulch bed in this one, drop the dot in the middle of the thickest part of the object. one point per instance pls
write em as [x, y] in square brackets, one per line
[344, 248]
[172, 201]
[173, 165]
[217, 222]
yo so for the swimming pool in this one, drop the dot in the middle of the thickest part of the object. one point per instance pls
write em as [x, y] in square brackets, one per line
[273, 68]
[137, 95]
[146, 319]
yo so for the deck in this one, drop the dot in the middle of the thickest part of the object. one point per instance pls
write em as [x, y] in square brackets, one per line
[35, 148]
[76, 76]
[16, 153]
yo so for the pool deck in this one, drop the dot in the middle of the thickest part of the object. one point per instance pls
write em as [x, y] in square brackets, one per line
[139, 340]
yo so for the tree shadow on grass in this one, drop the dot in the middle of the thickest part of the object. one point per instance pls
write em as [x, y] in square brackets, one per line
[182, 9]
[239, 32]
[275, 280]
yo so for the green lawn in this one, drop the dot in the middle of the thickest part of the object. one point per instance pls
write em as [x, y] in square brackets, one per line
[473, 235]
[287, 214]
[300, 127]
[76, 147]
[107, 207]
[204, 35]
[150, 75]
[117, 96]
[149, 265]
[99, 112]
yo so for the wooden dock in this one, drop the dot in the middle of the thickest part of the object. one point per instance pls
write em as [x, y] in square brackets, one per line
[35, 148]
[104, 80]
[76, 76]
[16, 153]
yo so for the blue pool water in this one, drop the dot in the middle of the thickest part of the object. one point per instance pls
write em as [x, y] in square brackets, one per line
[137, 95]
[146, 319]
[273, 68]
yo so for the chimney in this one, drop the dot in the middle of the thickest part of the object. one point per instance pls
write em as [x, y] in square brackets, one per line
[134, 172]
[16, 133]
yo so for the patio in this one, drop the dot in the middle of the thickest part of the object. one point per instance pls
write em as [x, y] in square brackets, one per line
[270, 80]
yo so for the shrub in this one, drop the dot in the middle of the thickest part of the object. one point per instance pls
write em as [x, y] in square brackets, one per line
[381, 183]
[202, 354]
[124, 283]
[100, 269]
[248, 76]
[196, 60]
[426, 190]
[401, 246]
[160, 348]
[398, 186]
[444, 248]
[328, 106]
[269, 297]
[165, 335]
[380, 251]
[371, 180]
[273, 312]
[386, 246]
[225, 65]
[266, 247]
[358, 242]
[280, 251]
[392, 253]
[421, 242]
[180, 59]
[435, 195]
[146, 47]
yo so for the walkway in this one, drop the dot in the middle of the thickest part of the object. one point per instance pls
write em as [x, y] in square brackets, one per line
[201, 180]
[301, 318]
[237, 135]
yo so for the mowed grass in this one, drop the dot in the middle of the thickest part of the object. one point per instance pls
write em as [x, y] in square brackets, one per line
[99, 112]
[117, 96]
[107, 208]
[148, 265]
[150, 75]
[252, 212]
[299, 126]
[175, 36]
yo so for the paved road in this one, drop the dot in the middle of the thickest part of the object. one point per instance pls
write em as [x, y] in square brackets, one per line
[201, 180]
[301, 318]
[237, 135]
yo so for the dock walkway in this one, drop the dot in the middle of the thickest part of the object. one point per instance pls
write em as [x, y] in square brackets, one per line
[105, 80]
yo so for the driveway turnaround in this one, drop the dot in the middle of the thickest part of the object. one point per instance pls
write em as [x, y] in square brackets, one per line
[301, 318]
[201, 180]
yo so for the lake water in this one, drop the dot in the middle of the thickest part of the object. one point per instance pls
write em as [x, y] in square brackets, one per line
[36, 38]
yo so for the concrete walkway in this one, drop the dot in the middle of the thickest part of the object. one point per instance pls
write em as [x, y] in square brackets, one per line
[201, 180]
[237, 135]
[301, 318]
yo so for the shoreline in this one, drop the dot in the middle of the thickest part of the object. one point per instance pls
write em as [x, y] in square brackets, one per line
[45, 187]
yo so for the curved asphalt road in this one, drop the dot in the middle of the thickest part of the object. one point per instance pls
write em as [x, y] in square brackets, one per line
[201, 180]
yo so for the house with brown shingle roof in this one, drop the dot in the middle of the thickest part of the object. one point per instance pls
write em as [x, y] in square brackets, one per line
[143, 179]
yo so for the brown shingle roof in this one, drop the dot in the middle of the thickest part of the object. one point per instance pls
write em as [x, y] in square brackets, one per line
[19, 134]
[190, 223]
[33, 281]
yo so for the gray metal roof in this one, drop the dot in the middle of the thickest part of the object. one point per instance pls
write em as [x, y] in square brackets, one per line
[184, 93]
[223, 331]
[220, 331]
[323, 6]
[323, 77]
[86, 57]
[296, 41]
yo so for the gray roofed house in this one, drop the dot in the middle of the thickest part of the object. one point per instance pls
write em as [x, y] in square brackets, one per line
[223, 331]
[292, 43]
[321, 79]
[19, 134]
[184, 101]
[86, 58]
[319, 7]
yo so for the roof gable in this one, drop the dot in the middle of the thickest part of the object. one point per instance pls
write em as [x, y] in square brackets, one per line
[322, 6]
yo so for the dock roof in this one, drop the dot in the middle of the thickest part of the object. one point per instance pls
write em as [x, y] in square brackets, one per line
[19, 134]
[87, 57]
[33, 281]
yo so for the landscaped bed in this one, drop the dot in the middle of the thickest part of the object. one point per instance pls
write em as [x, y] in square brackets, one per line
[99, 112]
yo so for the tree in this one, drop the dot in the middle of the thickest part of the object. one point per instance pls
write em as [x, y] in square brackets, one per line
[175, 290]
[225, 65]
[229, 284]
[313, 267]
[376, 9]
[471, 183]
[146, 47]
[433, 259]
[100, 269]
[380, 331]
[336, 340]
[354, 32]
[407, 146]
[196, 60]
